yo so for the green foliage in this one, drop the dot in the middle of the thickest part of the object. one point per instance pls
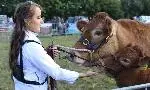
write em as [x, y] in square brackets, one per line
[112, 7]
[146, 10]
[135, 7]
[64, 8]
[7, 7]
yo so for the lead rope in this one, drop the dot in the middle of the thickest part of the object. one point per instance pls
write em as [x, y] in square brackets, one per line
[74, 49]
[82, 50]
[53, 83]
[91, 55]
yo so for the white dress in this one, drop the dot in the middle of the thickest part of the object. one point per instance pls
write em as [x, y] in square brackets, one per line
[37, 64]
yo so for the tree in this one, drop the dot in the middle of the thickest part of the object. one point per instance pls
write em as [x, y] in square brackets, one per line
[132, 7]
[146, 9]
[112, 7]
[7, 7]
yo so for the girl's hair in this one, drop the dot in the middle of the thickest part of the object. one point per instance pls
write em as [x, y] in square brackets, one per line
[23, 11]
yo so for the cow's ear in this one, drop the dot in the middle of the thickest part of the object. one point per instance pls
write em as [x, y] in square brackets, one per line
[139, 50]
[81, 24]
[101, 15]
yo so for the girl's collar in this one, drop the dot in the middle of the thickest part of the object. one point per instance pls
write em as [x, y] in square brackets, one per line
[31, 32]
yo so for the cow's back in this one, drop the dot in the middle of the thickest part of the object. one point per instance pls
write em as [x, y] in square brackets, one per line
[134, 32]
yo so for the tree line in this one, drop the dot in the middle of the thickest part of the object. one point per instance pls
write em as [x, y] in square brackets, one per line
[64, 8]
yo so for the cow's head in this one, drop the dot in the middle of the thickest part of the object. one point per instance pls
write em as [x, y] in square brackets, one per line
[126, 58]
[96, 31]
[94, 34]
[130, 56]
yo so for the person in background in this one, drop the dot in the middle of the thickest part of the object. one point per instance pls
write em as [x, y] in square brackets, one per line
[30, 64]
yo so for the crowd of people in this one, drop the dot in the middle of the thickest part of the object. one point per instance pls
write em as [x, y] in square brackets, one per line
[59, 25]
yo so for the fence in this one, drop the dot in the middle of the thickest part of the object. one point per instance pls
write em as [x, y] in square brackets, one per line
[53, 29]
[5, 35]
[136, 87]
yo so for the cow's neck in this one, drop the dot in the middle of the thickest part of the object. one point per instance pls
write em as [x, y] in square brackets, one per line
[131, 32]
[112, 45]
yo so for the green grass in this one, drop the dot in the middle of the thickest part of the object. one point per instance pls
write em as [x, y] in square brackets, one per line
[98, 82]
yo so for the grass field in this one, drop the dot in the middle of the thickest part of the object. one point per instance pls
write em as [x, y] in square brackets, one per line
[98, 82]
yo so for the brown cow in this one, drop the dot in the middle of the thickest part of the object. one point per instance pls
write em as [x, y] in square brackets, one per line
[105, 36]
[129, 66]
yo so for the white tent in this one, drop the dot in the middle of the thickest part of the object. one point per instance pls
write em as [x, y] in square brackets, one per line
[145, 19]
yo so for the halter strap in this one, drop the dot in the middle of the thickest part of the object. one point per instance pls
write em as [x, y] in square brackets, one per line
[18, 74]
[93, 46]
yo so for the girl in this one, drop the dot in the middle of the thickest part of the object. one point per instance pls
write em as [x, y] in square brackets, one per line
[29, 62]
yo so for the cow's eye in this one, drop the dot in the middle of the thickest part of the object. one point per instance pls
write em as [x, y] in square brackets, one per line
[98, 33]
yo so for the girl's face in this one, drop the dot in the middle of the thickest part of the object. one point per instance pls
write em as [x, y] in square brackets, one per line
[35, 22]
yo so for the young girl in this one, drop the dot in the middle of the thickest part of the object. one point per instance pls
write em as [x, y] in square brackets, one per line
[29, 62]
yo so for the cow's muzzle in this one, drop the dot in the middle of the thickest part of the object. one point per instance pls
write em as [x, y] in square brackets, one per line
[75, 57]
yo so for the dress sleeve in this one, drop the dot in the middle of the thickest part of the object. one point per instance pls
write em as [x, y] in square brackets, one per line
[41, 60]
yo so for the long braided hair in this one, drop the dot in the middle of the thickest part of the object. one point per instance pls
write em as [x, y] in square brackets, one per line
[23, 11]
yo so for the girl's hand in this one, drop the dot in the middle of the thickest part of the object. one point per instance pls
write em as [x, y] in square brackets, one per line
[55, 51]
[52, 51]
[87, 74]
